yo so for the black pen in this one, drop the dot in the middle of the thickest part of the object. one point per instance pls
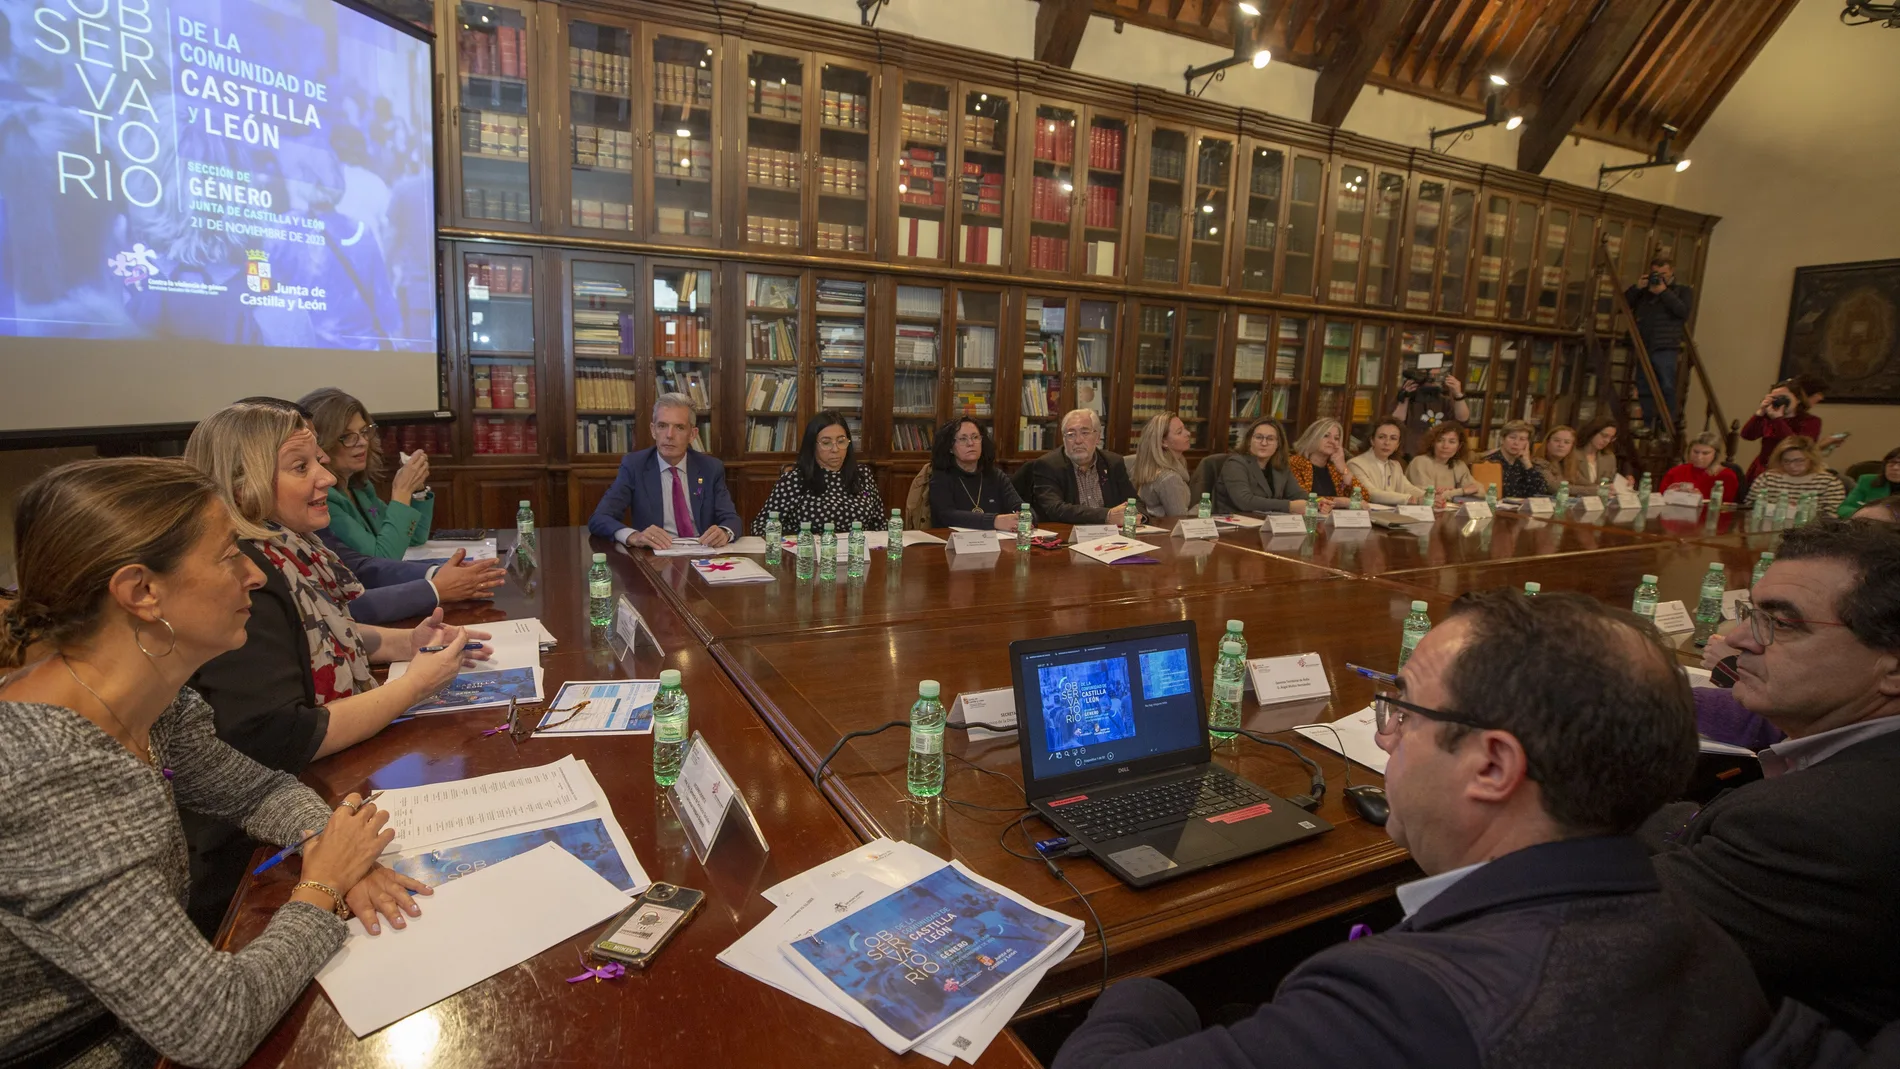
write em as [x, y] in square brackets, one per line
[439, 649]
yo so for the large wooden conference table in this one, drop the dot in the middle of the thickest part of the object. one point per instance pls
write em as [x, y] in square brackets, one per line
[778, 672]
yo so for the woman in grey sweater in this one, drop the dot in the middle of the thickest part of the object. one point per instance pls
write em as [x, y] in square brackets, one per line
[130, 578]
[1258, 480]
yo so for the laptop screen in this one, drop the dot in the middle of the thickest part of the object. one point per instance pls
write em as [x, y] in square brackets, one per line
[1108, 699]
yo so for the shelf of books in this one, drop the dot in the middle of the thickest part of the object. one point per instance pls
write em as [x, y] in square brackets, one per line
[1479, 350]
[923, 170]
[1052, 187]
[1335, 361]
[1302, 226]
[771, 362]
[685, 100]
[1498, 392]
[979, 321]
[1260, 230]
[1384, 235]
[1260, 388]
[1492, 232]
[1550, 267]
[840, 310]
[492, 49]
[1213, 186]
[772, 195]
[1154, 366]
[499, 334]
[983, 178]
[1579, 271]
[1350, 199]
[1454, 268]
[683, 343]
[1368, 384]
[1094, 356]
[1194, 385]
[1045, 337]
[916, 367]
[1540, 385]
[1421, 258]
[1104, 196]
[843, 179]
[602, 312]
[600, 85]
[1161, 218]
[1523, 259]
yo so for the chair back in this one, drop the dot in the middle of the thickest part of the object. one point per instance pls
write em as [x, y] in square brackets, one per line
[917, 502]
[1206, 474]
[1487, 473]
[1020, 480]
[1863, 467]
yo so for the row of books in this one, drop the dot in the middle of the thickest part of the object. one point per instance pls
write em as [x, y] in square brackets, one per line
[921, 174]
[771, 340]
[982, 191]
[914, 393]
[981, 244]
[771, 167]
[1164, 219]
[681, 337]
[495, 133]
[1260, 234]
[916, 346]
[503, 385]
[489, 276]
[1054, 140]
[1167, 162]
[1099, 258]
[920, 238]
[1189, 407]
[1247, 404]
[841, 390]
[694, 222]
[601, 214]
[682, 157]
[985, 132]
[679, 85]
[1348, 247]
[504, 434]
[1150, 399]
[1206, 226]
[970, 398]
[775, 98]
[840, 295]
[839, 175]
[771, 291]
[913, 437]
[849, 110]
[1264, 181]
[603, 435]
[1042, 396]
[919, 123]
[602, 332]
[840, 342]
[436, 439]
[842, 237]
[1105, 147]
[602, 146]
[919, 301]
[502, 51]
[511, 204]
[771, 391]
[776, 435]
[768, 230]
[597, 71]
[1160, 268]
[1048, 253]
[604, 389]
[683, 378]
[1091, 354]
[1156, 319]
[1031, 437]
[1102, 206]
[1049, 202]
[976, 347]
[1152, 357]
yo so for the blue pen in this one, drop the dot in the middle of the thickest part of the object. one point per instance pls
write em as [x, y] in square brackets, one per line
[1374, 674]
[272, 861]
[439, 649]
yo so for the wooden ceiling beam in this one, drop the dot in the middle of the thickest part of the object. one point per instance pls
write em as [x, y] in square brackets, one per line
[1599, 53]
[1059, 28]
[1447, 58]
[1208, 9]
[1776, 14]
[1362, 40]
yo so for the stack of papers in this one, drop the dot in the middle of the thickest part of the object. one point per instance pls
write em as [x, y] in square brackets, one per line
[847, 934]
[512, 671]
[720, 571]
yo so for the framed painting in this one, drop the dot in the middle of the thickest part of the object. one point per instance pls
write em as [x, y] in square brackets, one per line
[1844, 326]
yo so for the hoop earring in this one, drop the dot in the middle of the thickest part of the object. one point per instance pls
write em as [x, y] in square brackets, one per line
[138, 638]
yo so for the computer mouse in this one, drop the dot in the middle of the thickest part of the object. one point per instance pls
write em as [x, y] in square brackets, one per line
[1369, 802]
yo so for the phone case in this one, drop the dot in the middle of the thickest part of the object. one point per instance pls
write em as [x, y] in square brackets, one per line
[637, 933]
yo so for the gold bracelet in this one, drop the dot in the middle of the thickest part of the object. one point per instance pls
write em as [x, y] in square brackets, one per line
[336, 896]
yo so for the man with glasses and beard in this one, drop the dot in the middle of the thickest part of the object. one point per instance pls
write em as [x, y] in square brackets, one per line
[1527, 739]
[1080, 482]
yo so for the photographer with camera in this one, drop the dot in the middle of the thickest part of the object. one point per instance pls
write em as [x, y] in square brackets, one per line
[1428, 397]
[1783, 413]
[1661, 309]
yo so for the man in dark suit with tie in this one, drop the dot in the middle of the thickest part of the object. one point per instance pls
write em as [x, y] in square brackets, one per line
[673, 490]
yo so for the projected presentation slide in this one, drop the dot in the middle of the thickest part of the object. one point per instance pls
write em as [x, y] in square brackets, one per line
[1085, 704]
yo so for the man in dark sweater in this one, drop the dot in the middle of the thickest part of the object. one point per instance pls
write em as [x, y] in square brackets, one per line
[1661, 307]
[1078, 483]
[1527, 737]
[1803, 866]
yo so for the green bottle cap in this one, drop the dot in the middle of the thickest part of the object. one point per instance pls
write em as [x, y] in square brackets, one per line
[670, 677]
[524, 503]
[804, 525]
[1230, 649]
[1650, 579]
[929, 688]
[1533, 588]
[1418, 606]
[1767, 556]
[600, 558]
[830, 528]
[896, 514]
[1717, 567]
[1234, 627]
[857, 526]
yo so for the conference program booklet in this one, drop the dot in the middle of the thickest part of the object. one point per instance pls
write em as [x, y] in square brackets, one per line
[913, 961]
[720, 571]
[1115, 549]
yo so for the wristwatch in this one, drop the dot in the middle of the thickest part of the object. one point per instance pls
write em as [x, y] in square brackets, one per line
[424, 494]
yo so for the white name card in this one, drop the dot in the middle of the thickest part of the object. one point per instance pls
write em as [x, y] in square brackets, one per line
[1688, 499]
[1351, 518]
[1590, 504]
[1286, 523]
[1672, 618]
[630, 628]
[974, 542]
[1288, 679]
[1541, 506]
[704, 795]
[1418, 513]
[1196, 528]
[1627, 499]
[1089, 532]
[1730, 600]
[986, 707]
[1475, 510]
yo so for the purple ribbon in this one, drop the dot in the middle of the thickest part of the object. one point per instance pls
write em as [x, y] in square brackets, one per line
[613, 970]
[167, 773]
[1358, 931]
[496, 730]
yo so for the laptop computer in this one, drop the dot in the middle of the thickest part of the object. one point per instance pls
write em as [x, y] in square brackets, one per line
[1115, 751]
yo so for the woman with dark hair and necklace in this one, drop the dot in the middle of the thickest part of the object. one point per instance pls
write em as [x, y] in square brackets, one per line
[826, 485]
[966, 488]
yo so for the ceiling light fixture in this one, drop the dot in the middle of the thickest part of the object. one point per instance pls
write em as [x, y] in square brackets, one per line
[1247, 49]
[1248, 9]
[1499, 80]
[1664, 156]
[1494, 113]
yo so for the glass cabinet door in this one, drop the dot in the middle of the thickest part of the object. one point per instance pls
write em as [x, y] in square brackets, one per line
[1428, 220]
[841, 306]
[973, 380]
[1384, 231]
[771, 362]
[1503, 385]
[1335, 360]
[984, 181]
[1453, 269]
[1154, 365]
[1259, 238]
[1052, 187]
[683, 158]
[1550, 265]
[1094, 355]
[916, 359]
[1539, 385]
[1194, 387]
[1289, 358]
[1608, 285]
[493, 75]
[1492, 235]
[683, 343]
[772, 198]
[1213, 185]
[1253, 333]
[1579, 268]
[600, 89]
[1477, 379]
[499, 333]
[1368, 385]
[1104, 196]
[844, 159]
[1349, 234]
[1302, 225]
[1045, 334]
[1524, 259]
[1161, 220]
[602, 311]
[923, 170]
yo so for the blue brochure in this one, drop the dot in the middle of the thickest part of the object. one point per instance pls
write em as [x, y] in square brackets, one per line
[587, 840]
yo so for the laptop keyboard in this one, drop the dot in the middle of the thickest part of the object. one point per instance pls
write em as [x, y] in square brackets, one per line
[1102, 819]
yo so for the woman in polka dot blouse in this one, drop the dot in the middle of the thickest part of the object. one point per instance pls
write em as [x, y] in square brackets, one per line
[827, 485]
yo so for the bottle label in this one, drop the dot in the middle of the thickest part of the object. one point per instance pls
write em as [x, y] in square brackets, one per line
[926, 742]
[669, 729]
[600, 588]
[1228, 691]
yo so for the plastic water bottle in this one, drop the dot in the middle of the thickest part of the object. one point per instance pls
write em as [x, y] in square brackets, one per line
[1025, 528]
[1761, 569]
[1643, 490]
[1223, 709]
[600, 592]
[828, 553]
[1804, 509]
[1312, 513]
[774, 538]
[1781, 507]
[1562, 500]
[1531, 590]
[894, 537]
[923, 773]
[524, 524]
[807, 550]
[1431, 497]
[1715, 498]
[1708, 606]
[669, 729]
[1358, 499]
[855, 551]
[1206, 511]
[1416, 624]
[1644, 604]
[1491, 496]
[1605, 491]
[1758, 514]
[1131, 518]
[1235, 634]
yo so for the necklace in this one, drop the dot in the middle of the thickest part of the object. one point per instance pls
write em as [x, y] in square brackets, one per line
[976, 505]
[149, 757]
